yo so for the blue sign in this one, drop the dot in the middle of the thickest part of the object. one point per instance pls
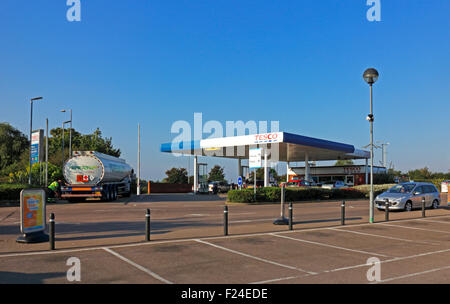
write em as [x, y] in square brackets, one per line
[34, 153]
[240, 181]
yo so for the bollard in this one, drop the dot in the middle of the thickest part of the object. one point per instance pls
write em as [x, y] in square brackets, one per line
[225, 221]
[386, 210]
[423, 206]
[343, 213]
[147, 225]
[290, 216]
[52, 231]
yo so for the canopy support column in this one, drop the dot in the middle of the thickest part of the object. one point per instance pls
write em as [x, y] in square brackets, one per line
[195, 174]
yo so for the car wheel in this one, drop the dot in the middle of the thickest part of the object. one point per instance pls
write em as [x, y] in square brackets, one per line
[408, 206]
[435, 204]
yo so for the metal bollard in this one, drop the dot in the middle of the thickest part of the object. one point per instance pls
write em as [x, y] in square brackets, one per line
[343, 213]
[52, 231]
[225, 221]
[147, 225]
[386, 210]
[290, 216]
[423, 207]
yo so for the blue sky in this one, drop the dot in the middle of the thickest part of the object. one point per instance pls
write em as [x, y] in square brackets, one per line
[296, 62]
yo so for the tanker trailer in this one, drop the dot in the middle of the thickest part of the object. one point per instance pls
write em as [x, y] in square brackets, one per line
[90, 174]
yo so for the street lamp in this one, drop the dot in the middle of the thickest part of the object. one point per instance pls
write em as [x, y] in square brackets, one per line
[66, 122]
[31, 131]
[70, 132]
[371, 76]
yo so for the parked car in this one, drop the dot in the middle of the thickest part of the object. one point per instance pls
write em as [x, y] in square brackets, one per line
[407, 196]
[300, 183]
[218, 187]
[334, 185]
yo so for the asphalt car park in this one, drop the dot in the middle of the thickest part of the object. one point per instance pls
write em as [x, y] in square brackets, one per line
[188, 246]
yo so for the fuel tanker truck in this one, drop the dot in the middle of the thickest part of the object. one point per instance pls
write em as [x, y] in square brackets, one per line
[90, 174]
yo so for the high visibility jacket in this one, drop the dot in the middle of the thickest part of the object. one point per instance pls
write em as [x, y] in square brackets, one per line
[54, 186]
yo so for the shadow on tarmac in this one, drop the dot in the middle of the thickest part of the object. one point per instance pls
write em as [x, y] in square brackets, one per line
[28, 278]
[330, 220]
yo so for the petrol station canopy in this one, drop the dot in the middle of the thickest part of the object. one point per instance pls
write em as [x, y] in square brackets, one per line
[289, 147]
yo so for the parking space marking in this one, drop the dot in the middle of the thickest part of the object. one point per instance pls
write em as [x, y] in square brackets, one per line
[253, 257]
[382, 236]
[433, 221]
[423, 229]
[356, 266]
[151, 273]
[412, 275]
[249, 221]
[331, 246]
[280, 279]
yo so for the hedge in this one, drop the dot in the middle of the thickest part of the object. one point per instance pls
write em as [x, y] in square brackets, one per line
[11, 192]
[272, 194]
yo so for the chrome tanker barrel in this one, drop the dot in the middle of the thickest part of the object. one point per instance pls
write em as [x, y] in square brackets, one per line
[92, 168]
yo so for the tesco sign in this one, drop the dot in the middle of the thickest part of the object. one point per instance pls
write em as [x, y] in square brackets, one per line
[263, 137]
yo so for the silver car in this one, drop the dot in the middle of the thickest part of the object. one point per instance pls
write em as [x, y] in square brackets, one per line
[407, 196]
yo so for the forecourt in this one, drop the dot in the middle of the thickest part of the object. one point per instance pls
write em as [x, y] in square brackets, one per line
[187, 244]
[277, 146]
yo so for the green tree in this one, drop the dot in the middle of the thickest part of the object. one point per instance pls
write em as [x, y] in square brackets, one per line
[344, 162]
[176, 176]
[216, 174]
[13, 146]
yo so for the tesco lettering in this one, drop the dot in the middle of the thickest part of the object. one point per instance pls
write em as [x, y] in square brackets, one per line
[271, 136]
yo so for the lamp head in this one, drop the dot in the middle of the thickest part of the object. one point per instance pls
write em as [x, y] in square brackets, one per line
[370, 76]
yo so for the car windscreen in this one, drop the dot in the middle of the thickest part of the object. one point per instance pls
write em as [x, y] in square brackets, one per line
[402, 188]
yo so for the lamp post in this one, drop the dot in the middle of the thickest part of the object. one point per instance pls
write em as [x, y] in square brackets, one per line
[66, 122]
[31, 132]
[371, 76]
[70, 132]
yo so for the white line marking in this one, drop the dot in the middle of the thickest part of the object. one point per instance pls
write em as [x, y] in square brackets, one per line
[280, 279]
[332, 246]
[430, 230]
[151, 273]
[363, 265]
[412, 275]
[249, 221]
[429, 220]
[253, 257]
[382, 236]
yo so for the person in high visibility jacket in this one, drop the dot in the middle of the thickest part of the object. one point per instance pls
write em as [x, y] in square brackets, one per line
[55, 189]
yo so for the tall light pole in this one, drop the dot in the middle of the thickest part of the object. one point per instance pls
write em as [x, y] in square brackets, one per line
[31, 132]
[70, 132]
[371, 76]
[138, 191]
[66, 122]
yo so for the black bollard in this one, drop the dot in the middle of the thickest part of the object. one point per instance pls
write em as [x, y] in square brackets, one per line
[423, 207]
[52, 231]
[147, 225]
[343, 213]
[290, 216]
[225, 221]
[386, 210]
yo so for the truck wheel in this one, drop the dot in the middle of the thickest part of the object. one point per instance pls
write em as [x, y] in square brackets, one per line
[114, 193]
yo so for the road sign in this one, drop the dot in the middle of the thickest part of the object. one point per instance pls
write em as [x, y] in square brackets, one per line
[37, 138]
[255, 160]
[240, 180]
